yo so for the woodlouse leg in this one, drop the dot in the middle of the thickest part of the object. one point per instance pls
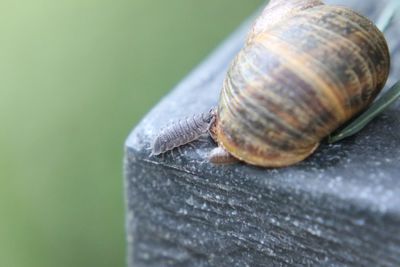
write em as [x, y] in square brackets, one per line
[163, 157]
[192, 145]
[203, 139]
[179, 150]
[220, 156]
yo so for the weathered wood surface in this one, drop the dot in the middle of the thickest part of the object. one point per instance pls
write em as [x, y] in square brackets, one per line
[340, 207]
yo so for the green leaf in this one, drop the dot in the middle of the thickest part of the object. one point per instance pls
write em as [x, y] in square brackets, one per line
[374, 110]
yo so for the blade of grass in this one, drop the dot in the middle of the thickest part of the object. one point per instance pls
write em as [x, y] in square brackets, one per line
[374, 110]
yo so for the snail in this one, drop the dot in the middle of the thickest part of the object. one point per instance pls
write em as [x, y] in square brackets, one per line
[306, 69]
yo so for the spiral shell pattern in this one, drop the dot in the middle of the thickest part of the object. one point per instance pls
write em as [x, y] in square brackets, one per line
[297, 81]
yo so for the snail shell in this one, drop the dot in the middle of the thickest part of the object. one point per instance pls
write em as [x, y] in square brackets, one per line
[305, 69]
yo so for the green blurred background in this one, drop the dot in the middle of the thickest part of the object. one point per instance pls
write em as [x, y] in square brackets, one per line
[76, 76]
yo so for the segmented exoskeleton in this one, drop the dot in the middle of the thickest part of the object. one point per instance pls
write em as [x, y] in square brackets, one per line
[182, 132]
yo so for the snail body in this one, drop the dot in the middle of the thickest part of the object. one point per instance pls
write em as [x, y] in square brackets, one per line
[306, 69]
